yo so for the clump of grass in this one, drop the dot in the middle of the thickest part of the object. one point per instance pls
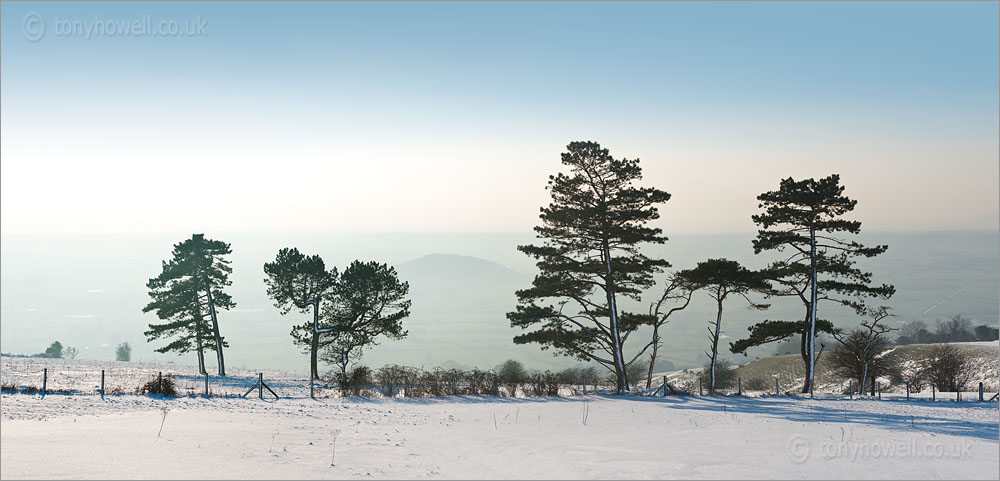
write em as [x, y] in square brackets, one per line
[164, 411]
[334, 455]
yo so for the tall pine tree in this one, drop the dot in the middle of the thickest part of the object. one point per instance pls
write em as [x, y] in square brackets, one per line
[187, 294]
[802, 220]
[590, 257]
[292, 279]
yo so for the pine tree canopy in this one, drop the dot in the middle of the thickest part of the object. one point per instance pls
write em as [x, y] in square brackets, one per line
[591, 232]
[369, 301]
[294, 277]
[768, 331]
[790, 214]
[721, 277]
[179, 295]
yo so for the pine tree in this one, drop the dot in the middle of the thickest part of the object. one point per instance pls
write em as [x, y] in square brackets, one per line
[293, 279]
[187, 293]
[720, 278]
[804, 218]
[592, 230]
[368, 302]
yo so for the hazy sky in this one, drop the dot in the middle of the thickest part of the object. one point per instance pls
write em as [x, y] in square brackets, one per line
[450, 116]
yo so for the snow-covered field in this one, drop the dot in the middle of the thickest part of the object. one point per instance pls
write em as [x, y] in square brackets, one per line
[81, 436]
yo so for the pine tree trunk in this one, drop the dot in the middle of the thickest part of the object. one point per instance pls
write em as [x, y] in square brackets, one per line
[864, 369]
[812, 317]
[313, 365]
[343, 372]
[615, 335]
[201, 357]
[804, 352]
[215, 328]
[715, 346]
[652, 356]
[197, 331]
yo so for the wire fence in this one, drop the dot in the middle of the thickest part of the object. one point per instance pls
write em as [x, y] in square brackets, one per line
[57, 376]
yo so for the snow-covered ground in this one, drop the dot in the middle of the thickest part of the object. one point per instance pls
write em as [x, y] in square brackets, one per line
[476, 437]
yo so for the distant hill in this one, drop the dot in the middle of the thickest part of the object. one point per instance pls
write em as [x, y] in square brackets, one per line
[457, 271]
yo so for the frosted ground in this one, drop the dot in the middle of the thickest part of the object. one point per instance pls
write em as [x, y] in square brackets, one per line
[81, 436]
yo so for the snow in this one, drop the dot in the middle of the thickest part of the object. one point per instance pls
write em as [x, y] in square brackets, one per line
[79, 436]
[476, 437]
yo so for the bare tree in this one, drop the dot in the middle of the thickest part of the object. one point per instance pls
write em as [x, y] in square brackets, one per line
[677, 293]
[913, 332]
[948, 367]
[864, 347]
[955, 329]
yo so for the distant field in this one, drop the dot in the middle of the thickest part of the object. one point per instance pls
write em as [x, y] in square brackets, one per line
[790, 370]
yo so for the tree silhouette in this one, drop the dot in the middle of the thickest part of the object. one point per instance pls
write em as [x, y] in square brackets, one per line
[369, 301]
[721, 278]
[187, 293]
[590, 256]
[800, 221]
[292, 279]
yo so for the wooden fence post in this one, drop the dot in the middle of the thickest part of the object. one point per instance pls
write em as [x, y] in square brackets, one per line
[102, 384]
[879, 389]
[159, 383]
[907, 391]
[206, 382]
[584, 385]
[701, 392]
[777, 387]
[933, 392]
[665, 388]
[739, 386]
[45, 379]
[260, 386]
[850, 388]
[980, 391]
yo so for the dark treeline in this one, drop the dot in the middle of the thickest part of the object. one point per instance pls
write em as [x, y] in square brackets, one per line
[954, 329]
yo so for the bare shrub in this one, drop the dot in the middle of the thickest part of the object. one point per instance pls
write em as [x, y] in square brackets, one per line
[758, 384]
[636, 372]
[725, 375]
[166, 387]
[863, 357]
[434, 382]
[357, 379]
[479, 382]
[948, 367]
[390, 379]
